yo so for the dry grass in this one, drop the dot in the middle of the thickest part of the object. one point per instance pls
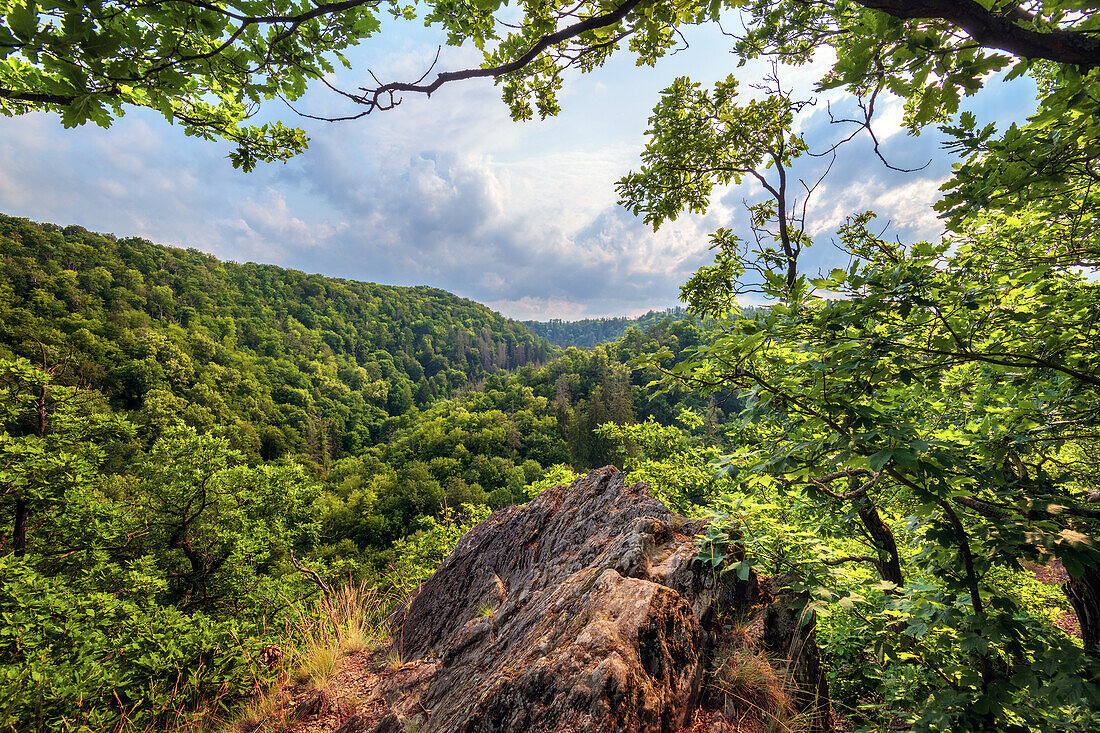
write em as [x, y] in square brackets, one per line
[754, 686]
[318, 660]
[351, 619]
[394, 658]
[268, 710]
[318, 634]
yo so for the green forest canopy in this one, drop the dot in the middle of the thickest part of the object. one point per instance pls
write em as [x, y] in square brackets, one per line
[589, 332]
[907, 447]
[293, 363]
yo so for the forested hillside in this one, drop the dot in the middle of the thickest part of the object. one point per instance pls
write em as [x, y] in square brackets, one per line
[192, 448]
[589, 332]
[292, 364]
[490, 446]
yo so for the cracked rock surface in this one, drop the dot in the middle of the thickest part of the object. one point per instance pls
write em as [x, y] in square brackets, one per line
[583, 610]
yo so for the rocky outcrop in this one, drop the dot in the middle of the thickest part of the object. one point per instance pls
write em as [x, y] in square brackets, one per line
[584, 610]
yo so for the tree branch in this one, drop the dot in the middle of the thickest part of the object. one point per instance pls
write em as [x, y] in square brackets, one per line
[999, 30]
[311, 575]
[373, 96]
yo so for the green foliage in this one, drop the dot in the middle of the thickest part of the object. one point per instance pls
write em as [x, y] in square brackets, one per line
[137, 597]
[46, 443]
[926, 424]
[220, 530]
[674, 466]
[211, 68]
[421, 553]
[556, 475]
[291, 364]
[76, 658]
[590, 332]
[207, 68]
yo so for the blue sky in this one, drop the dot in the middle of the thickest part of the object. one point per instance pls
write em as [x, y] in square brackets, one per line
[450, 192]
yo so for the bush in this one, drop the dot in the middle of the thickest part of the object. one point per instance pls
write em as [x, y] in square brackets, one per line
[72, 659]
[420, 554]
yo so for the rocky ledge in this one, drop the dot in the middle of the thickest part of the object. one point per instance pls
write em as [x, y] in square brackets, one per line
[585, 610]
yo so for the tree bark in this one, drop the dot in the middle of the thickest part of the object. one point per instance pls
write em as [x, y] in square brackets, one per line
[1000, 30]
[1084, 594]
[890, 569]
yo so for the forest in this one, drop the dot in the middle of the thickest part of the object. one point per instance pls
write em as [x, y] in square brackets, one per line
[176, 428]
[199, 459]
[589, 332]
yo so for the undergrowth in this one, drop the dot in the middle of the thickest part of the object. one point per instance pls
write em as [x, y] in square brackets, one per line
[752, 685]
[318, 634]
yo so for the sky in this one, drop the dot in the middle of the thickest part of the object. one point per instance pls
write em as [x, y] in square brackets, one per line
[450, 192]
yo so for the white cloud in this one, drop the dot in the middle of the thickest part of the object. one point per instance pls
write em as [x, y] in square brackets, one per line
[446, 191]
[889, 118]
[906, 205]
[540, 309]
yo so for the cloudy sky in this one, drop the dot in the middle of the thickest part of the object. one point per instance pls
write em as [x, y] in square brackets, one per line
[450, 192]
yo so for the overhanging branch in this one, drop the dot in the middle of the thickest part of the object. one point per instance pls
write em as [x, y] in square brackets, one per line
[373, 96]
[999, 29]
[992, 29]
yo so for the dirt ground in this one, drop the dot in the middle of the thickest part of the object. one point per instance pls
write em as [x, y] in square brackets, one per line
[352, 690]
[1053, 573]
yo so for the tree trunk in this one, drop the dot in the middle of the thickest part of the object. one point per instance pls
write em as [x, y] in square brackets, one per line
[1084, 594]
[890, 569]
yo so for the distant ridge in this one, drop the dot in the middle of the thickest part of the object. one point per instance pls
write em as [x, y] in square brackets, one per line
[590, 332]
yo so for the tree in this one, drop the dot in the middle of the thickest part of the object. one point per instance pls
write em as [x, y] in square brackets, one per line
[946, 403]
[210, 67]
[219, 529]
[45, 444]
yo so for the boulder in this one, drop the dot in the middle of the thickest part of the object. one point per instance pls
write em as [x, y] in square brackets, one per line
[583, 610]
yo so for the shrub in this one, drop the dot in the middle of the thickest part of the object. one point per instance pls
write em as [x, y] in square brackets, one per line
[72, 659]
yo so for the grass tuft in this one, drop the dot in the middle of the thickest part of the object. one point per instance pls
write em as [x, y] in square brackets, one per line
[351, 619]
[316, 637]
[751, 683]
[394, 658]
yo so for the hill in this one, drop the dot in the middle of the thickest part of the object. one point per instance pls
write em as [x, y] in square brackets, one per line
[589, 332]
[296, 364]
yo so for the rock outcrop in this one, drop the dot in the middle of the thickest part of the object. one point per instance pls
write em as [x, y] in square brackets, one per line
[583, 610]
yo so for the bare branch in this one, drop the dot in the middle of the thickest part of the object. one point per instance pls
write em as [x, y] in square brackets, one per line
[312, 576]
[372, 97]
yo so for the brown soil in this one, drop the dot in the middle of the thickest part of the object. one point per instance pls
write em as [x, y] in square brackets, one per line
[1053, 573]
[353, 690]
